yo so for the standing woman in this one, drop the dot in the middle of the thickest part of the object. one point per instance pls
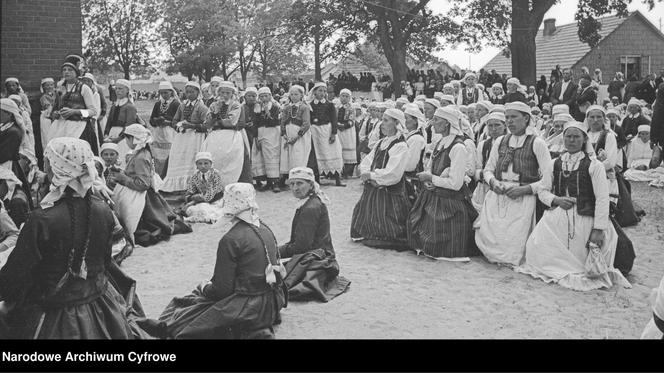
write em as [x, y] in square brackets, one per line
[227, 141]
[326, 158]
[47, 103]
[295, 133]
[266, 152]
[346, 132]
[56, 276]
[122, 114]
[441, 221]
[75, 109]
[379, 217]
[578, 224]
[145, 214]
[161, 121]
[312, 270]
[188, 123]
[604, 143]
[517, 163]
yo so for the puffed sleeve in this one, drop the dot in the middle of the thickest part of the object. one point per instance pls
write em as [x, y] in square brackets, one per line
[394, 169]
[90, 110]
[452, 177]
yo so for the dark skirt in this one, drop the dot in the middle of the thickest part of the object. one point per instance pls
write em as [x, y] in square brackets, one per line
[441, 226]
[158, 221]
[90, 136]
[314, 275]
[237, 316]
[379, 217]
[413, 186]
[245, 175]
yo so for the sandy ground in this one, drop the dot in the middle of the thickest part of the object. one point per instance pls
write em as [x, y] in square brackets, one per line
[401, 295]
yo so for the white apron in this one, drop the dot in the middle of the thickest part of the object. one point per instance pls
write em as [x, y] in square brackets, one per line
[129, 205]
[479, 194]
[227, 149]
[347, 138]
[162, 140]
[296, 155]
[266, 161]
[67, 128]
[182, 160]
[45, 127]
[504, 226]
[328, 156]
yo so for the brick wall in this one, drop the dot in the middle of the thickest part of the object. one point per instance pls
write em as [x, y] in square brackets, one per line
[633, 37]
[36, 36]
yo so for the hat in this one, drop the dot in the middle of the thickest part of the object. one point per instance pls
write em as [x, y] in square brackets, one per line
[109, 146]
[203, 155]
[45, 80]
[518, 106]
[227, 85]
[124, 82]
[578, 125]
[345, 91]
[165, 86]
[15, 80]
[319, 84]
[449, 98]
[496, 116]
[76, 62]
[433, 102]
[644, 128]
[451, 115]
[415, 112]
[497, 108]
[252, 90]
[298, 88]
[389, 104]
[614, 112]
[193, 84]
[264, 91]
[595, 107]
[559, 109]
[301, 173]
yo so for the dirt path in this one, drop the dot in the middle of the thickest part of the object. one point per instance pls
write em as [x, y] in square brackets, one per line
[401, 295]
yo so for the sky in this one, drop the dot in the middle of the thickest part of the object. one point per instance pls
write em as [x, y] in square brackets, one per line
[563, 12]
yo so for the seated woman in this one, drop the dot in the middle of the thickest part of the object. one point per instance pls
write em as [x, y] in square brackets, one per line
[246, 292]
[8, 235]
[55, 282]
[312, 271]
[655, 327]
[639, 153]
[143, 212]
[379, 218]
[494, 123]
[577, 230]
[415, 123]
[517, 163]
[441, 222]
[204, 191]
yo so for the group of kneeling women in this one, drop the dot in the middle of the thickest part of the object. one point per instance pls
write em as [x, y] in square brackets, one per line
[60, 281]
[573, 243]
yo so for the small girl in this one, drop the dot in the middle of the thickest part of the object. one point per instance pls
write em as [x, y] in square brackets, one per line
[203, 190]
[110, 154]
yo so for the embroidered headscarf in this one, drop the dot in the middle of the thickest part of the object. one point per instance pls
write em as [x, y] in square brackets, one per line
[141, 135]
[72, 163]
[240, 202]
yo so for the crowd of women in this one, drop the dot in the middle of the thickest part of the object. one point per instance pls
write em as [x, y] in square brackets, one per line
[450, 177]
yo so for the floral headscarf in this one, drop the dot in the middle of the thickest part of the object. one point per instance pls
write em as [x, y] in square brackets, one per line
[240, 202]
[73, 166]
[141, 135]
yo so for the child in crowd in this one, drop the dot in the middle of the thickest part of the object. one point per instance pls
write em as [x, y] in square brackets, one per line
[110, 155]
[203, 190]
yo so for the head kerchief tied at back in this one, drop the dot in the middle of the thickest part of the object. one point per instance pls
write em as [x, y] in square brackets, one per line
[72, 163]
[141, 135]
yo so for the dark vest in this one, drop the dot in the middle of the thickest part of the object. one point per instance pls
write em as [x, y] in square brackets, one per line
[473, 96]
[486, 151]
[523, 160]
[601, 141]
[342, 116]
[440, 160]
[73, 100]
[320, 113]
[576, 184]
[292, 115]
[420, 165]
[381, 157]
[262, 120]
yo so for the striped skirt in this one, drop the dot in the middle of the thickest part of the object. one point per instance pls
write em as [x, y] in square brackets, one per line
[441, 224]
[380, 217]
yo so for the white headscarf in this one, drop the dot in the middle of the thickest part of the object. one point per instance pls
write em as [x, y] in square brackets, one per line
[141, 135]
[240, 202]
[73, 166]
[400, 117]
[306, 173]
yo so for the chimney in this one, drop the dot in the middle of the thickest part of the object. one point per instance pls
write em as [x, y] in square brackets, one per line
[549, 26]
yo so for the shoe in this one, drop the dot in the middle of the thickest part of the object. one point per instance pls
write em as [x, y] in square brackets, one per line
[337, 182]
[275, 188]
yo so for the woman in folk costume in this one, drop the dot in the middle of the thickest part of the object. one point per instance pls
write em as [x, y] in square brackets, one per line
[13, 87]
[574, 244]
[312, 271]
[161, 126]
[295, 131]
[497, 95]
[440, 223]
[517, 169]
[266, 152]
[639, 154]
[368, 125]
[495, 128]
[375, 135]
[188, 122]
[482, 110]
[122, 114]
[215, 82]
[249, 115]
[414, 124]
[614, 117]
[326, 158]
[346, 133]
[100, 104]
[633, 118]
[55, 280]
[28, 159]
[379, 217]
[144, 213]
[555, 141]
[246, 292]
[75, 106]
[430, 107]
[604, 143]
[47, 103]
[655, 327]
[227, 141]
[8, 235]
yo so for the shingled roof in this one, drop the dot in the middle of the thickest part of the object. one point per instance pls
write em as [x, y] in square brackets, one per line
[562, 48]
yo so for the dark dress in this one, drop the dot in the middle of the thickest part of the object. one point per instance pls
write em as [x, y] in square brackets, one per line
[441, 221]
[161, 118]
[19, 204]
[50, 304]
[158, 220]
[313, 271]
[379, 217]
[238, 303]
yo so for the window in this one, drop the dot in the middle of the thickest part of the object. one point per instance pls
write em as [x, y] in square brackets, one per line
[631, 65]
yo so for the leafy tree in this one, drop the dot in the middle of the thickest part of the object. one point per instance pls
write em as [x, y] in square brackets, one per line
[372, 55]
[277, 57]
[490, 20]
[118, 31]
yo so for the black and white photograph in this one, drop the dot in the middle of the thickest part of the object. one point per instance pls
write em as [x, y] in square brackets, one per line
[331, 170]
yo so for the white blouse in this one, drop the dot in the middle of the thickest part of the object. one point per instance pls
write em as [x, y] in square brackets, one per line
[394, 169]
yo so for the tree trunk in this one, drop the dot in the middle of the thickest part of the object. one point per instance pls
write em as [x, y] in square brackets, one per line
[125, 70]
[524, 61]
[317, 42]
[399, 68]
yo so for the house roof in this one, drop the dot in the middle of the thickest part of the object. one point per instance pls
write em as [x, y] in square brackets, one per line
[562, 48]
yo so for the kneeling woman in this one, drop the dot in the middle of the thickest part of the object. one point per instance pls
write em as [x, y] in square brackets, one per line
[57, 274]
[145, 214]
[379, 218]
[578, 226]
[246, 292]
[313, 271]
[441, 221]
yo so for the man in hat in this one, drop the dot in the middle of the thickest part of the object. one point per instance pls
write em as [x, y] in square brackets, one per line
[326, 159]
